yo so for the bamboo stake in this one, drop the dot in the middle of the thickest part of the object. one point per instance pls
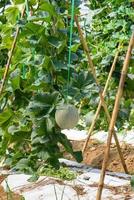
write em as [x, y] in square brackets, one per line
[85, 47]
[100, 103]
[114, 115]
[10, 55]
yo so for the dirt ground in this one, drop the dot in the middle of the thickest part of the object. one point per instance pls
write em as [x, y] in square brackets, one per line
[94, 155]
[9, 195]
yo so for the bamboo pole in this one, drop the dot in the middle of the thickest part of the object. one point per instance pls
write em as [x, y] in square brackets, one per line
[85, 47]
[100, 103]
[10, 55]
[114, 115]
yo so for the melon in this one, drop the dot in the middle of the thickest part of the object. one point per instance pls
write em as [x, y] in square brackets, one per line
[66, 116]
[89, 117]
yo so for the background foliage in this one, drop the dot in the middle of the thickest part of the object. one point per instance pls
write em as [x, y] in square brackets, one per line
[112, 24]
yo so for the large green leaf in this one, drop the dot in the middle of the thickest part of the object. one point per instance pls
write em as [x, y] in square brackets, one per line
[18, 1]
[12, 13]
[33, 28]
[47, 98]
[48, 8]
[15, 79]
[78, 156]
[5, 116]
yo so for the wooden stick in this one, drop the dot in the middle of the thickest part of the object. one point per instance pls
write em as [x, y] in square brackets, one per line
[114, 115]
[100, 103]
[11, 54]
[85, 47]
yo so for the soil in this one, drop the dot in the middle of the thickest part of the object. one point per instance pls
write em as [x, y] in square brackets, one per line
[7, 196]
[94, 155]
[10, 195]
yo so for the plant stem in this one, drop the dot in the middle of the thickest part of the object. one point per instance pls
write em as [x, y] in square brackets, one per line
[10, 55]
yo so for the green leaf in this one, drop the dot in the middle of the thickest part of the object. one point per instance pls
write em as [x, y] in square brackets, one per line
[55, 42]
[46, 62]
[48, 8]
[132, 182]
[78, 156]
[5, 116]
[66, 143]
[12, 13]
[34, 28]
[20, 128]
[15, 79]
[43, 155]
[22, 164]
[33, 178]
[18, 1]
[77, 3]
[50, 124]
[33, 2]
[40, 140]
[82, 80]
[47, 98]
[75, 47]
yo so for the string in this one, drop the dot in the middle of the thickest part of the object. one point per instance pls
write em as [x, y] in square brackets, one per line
[24, 71]
[70, 44]
[24, 66]
[27, 8]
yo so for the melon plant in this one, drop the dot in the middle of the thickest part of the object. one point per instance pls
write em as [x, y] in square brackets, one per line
[29, 135]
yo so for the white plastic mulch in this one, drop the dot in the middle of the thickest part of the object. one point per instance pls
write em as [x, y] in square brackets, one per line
[72, 134]
[82, 188]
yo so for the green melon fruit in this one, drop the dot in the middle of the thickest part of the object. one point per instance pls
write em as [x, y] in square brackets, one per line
[89, 118]
[66, 116]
